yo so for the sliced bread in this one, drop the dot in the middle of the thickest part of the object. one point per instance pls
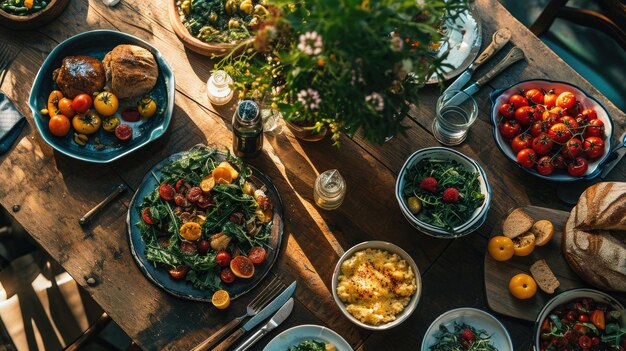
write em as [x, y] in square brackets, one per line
[544, 277]
[517, 223]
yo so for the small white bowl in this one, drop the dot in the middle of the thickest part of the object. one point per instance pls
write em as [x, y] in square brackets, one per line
[479, 215]
[293, 336]
[391, 248]
[565, 297]
[478, 319]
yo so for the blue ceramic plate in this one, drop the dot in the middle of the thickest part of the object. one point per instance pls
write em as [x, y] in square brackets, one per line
[181, 288]
[97, 44]
[498, 97]
[294, 336]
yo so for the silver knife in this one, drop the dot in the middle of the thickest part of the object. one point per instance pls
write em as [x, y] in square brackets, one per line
[513, 56]
[499, 39]
[254, 321]
[619, 152]
[278, 318]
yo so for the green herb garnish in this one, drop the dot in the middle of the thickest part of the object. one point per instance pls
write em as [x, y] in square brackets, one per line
[463, 337]
[309, 345]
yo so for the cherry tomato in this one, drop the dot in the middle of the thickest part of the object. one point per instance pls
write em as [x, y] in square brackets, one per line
[166, 192]
[227, 275]
[594, 147]
[518, 101]
[123, 132]
[187, 248]
[571, 316]
[544, 166]
[559, 162]
[572, 149]
[131, 114]
[82, 103]
[145, 216]
[595, 128]
[223, 258]
[509, 128]
[507, 110]
[65, 106]
[535, 96]
[525, 115]
[86, 123]
[595, 340]
[583, 318]
[179, 199]
[257, 255]
[550, 117]
[588, 113]
[179, 185]
[59, 125]
[542, 144]
[566, 100]
[194, 194]
[584, 341]
[527, 158]
[538, 128]
[179, 272]
[106, 103]
[559, 133]
[574, 110]
[539, 110]
[521, 141]
[203, 246]
[578, 167]
[549, 99]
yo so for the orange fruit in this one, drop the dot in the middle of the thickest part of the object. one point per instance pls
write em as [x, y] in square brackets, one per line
[222, 175]
[543, 231]
[522, 286]
[191, 231]
[501, 248]
[221, 299]
[524, 244]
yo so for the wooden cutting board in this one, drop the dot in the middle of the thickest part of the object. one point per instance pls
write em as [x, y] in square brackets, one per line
[498, 274]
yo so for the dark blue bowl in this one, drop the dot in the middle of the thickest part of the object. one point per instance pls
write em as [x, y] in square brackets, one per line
[97, 44]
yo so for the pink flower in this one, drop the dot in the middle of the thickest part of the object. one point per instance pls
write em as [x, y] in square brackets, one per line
[310, 43]
[376, 100]
[309, 98]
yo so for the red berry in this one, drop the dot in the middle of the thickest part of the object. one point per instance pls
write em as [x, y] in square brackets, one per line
[203, 246]
[467, 333]
[429, 184]
[450, 195]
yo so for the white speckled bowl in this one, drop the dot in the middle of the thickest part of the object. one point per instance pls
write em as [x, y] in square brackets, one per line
[391, 248]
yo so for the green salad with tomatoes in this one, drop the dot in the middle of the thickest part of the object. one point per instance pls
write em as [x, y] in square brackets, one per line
[23, 7]
[462, 337]
[442, 192]
[206, 222]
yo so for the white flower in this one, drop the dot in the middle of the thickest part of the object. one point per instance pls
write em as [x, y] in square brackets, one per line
[310, 43]
[396, 43]
[376, 100]
[309, 98]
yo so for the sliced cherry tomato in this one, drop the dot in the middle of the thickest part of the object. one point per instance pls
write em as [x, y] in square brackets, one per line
[572, 149]
[131, 114]
[549, 99]
[179, 272]
[187, 248]
[525, 115]
[578, 167]
[566, 100]
[518, 101]
[123, 132]
[509, 128]
[82, 103]
[527, 158]
[194, 194]
[257, 255]
[203, 246]
[223, 258]
[594, 147]
[559, 133]
[179, 185]
[507, 110]
[167, 192]
[545, 166]
[227, 275]
[179, 199]
[534, 95]
[542, 144]
[595, 128]
[145, 216]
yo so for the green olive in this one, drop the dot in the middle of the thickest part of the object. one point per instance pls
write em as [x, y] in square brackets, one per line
[415, 204]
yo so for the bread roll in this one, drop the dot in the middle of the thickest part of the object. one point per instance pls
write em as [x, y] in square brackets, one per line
[130, 71]
[594, 238]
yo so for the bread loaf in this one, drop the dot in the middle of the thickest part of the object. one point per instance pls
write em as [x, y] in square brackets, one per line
[594, 238]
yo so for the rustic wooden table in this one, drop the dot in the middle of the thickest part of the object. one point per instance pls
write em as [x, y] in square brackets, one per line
[54, 191]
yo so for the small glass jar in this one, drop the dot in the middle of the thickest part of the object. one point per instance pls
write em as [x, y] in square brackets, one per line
[247, 130]
[330, 190]
[218, 88]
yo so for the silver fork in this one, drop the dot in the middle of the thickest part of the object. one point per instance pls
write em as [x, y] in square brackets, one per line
[6, 56]
[257, 304]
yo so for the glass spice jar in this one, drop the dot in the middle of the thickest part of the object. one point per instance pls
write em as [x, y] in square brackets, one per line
[219, 91]
[329, 190]
[247, 130]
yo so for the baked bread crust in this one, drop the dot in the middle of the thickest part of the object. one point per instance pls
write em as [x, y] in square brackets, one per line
[130, 70]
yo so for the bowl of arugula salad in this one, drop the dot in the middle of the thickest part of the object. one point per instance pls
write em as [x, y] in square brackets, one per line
[443, 193]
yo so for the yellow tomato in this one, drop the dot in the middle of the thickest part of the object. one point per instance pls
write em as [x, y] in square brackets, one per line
[147, 107]
[221, 299]
[110, 123]
[501, 248]
[86, 123]
[191, 231]
[524, 244]
[106, 103]
[222, 175]
[53, 103]
[263, 216]
[522, 286]
[233, 172]
[65, 105]
[543, 231]
[207, 183]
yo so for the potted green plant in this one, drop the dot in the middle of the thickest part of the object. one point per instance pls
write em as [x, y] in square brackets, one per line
[341, 66]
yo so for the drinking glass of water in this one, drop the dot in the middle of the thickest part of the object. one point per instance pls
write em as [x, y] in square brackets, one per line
[455, 115]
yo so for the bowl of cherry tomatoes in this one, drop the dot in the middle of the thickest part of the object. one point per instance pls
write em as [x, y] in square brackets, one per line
[553, 130]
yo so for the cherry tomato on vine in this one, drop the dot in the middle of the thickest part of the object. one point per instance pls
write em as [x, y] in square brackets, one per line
[589, 114]
[518, 101]
[566, 100]
[538, 128]
[507, 110]
[578, 167]
[559, 133]
[525, 115]
[542, 144]
[527, 158]
[509, 128]
[549, 99]
[595, 128]
[572, 149]
[521, 141]
[545, 166]
[534, 95]
[593, 147]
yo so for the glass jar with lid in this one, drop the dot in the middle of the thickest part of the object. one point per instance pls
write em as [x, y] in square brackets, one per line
[219, 89]
[330, 190]
[247, 129]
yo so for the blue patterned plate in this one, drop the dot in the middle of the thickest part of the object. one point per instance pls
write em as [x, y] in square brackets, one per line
[97, 44]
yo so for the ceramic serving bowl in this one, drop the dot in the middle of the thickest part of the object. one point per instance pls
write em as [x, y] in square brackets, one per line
[480, 214]
[391, 248]
[33, 20]
[478, 319]
[293, 336]
[565, 297]
[501, 96]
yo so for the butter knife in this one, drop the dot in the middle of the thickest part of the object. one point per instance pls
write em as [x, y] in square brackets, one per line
[499, 39]
[514, 55]
[278, 318]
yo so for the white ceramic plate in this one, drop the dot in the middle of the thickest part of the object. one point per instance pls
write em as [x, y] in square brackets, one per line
[294, 336]
[476, 318]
